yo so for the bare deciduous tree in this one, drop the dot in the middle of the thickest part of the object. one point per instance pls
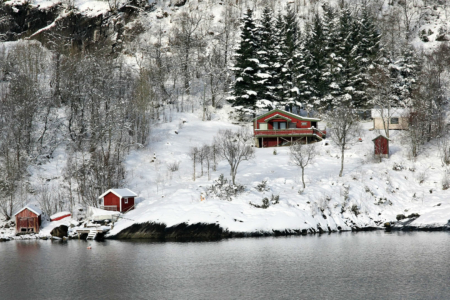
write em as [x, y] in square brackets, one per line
[235, 147]
[345, 129]
[301, 155]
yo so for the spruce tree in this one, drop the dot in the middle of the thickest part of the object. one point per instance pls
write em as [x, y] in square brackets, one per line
[267, 56]
[246, 64]
[291, 41]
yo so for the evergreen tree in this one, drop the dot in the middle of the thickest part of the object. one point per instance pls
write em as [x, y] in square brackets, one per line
[280, 58]
[291, 41]
[267, 56]
[246, 65]
[349, 79]
[315, 44]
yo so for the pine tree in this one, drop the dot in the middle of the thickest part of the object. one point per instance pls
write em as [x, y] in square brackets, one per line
[246, 65]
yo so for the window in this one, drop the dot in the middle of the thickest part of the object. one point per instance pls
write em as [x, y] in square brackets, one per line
[275, 125]
[263, 126]
[282, 125]
[292, 125]
[394, 120]
[304, 123]
[125, 200]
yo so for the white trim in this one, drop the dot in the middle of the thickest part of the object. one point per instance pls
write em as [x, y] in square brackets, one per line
[132, 194]
[125, 200]
[29, 207]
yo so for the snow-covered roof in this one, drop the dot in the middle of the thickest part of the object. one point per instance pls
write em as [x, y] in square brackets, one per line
[60, 214]
[394, 112]
[382, 137]
[121, 193]
[31, 207]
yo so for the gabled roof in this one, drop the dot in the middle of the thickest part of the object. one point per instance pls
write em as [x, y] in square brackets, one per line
[121, 193]
[286, 113]
[32, 208]
[380, 136]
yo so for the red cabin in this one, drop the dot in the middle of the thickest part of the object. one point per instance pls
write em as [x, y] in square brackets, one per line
[381, 146]
[118, 200]
[28, 219]
[282, 128]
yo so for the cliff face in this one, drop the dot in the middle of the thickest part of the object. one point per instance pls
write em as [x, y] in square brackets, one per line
[57, 26]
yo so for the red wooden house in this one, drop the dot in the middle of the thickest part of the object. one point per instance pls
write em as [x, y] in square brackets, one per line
[28, 219]
[282, 128]
[381, 145]
[118, 200]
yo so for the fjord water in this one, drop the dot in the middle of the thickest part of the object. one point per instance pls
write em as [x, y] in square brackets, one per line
[364, 265]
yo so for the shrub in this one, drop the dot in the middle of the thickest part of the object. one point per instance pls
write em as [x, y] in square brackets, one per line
[266, 202]
[262, 187]
[400, 217]
[173, 166]
[224, 189]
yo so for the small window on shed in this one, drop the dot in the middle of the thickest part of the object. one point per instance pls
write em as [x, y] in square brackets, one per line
[125, 200]
[394, 120]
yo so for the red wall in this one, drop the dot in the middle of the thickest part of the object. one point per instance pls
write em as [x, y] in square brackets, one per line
[292, 119]
[125, 207]
[381, 146]
[26, 213]
[111, 199]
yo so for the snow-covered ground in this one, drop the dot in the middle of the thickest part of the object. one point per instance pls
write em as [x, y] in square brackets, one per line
[376, 192]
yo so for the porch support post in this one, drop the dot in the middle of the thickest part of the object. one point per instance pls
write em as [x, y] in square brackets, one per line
[278, 140]
[262, 146]
[291, 140]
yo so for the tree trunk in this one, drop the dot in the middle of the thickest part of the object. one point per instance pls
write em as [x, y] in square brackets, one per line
[342, 162]
[303, 178]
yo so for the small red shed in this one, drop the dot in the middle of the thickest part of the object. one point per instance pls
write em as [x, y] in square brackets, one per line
[28, 219]
[118, 200]
[381, 146]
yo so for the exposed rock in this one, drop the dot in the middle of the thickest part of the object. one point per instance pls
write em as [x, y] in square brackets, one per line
[142, 231]
[60, 231]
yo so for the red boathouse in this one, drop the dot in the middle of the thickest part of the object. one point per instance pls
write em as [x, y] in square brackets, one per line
[28, 219]
[118, 200]
[281, 128]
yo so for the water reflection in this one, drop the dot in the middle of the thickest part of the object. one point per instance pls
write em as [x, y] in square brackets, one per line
[365, 265]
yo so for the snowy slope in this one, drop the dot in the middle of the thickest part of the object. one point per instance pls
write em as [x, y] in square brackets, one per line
[375, 191]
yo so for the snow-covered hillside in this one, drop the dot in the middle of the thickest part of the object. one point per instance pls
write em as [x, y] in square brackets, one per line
[369, 194]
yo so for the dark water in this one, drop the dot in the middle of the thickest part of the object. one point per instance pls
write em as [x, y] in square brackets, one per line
[370, 265]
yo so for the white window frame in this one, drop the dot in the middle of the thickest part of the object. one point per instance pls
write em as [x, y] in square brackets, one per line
[397, 121]
[125, 200]
[263, 126]
[304, 123]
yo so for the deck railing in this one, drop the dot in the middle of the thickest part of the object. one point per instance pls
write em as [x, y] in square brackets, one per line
[109, 207]
[288, 132]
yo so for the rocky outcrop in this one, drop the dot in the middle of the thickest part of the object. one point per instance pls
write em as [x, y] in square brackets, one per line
[58, 23]
[183, 231]
[60, 231]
